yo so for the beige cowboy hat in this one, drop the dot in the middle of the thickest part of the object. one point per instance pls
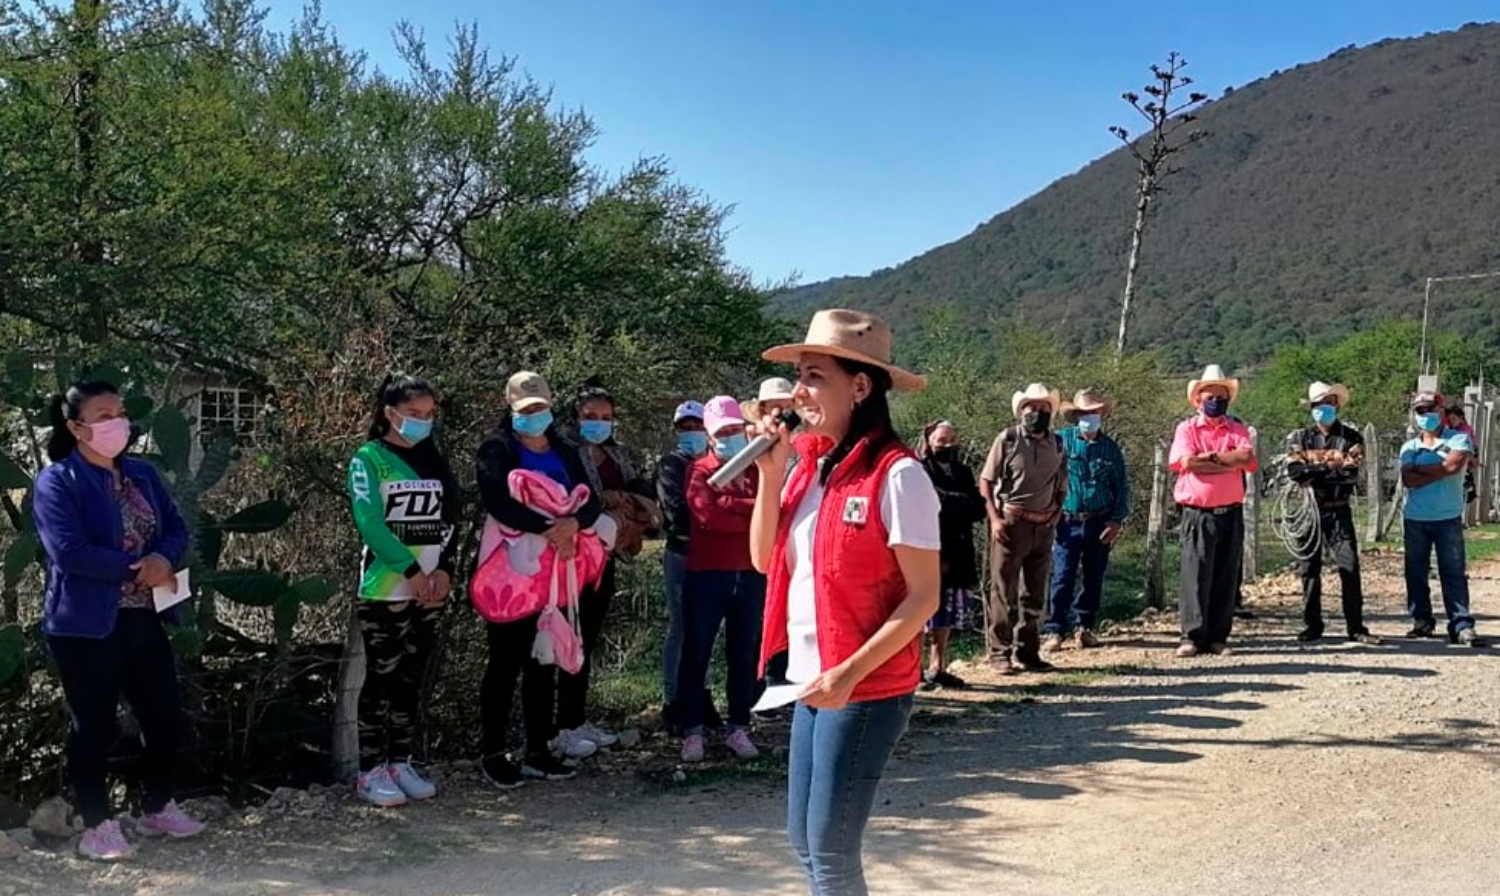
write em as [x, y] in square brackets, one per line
[1319, 391]
[775, 389]
[1035, 392]
[1213, 375]
[853, 336]
[1087, 401]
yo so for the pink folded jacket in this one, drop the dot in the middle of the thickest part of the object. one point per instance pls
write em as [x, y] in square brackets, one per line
[516, 569]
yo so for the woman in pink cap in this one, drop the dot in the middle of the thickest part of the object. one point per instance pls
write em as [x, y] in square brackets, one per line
[722, 586]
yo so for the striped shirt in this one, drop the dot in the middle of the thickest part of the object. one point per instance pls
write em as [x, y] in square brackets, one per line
[1096, 476]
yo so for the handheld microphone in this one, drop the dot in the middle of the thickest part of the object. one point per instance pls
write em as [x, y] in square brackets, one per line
[759, 445]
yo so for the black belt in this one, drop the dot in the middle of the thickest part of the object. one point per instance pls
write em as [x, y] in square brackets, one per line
[1083, 516]
[1213, 511]
[1333, 505]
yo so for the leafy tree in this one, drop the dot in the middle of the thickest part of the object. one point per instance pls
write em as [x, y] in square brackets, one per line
[1379, 365]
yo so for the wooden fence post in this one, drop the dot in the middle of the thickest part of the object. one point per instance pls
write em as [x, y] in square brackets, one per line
[1374, 482]
[346, 703]
[1156, 531]
[1250, 564]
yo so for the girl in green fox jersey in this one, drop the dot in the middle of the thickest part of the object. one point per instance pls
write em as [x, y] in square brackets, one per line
[406, 505]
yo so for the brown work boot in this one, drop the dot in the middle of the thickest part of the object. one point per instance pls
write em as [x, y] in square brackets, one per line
[1083, 639]
[1052, 643]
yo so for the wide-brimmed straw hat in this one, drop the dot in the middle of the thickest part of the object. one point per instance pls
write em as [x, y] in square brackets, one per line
[1213, 375]
[853, 336]
[1035, 392]
[1320, 391]
[1087, 401]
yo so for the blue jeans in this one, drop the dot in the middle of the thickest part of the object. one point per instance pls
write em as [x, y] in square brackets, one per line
[837, 759]
[674, 569]
[1077, 545]
[1447, 537]
[736, 601]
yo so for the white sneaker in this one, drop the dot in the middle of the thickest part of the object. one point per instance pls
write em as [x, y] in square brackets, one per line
[572, 744]
[598, 735]
[412, 784]
[378, 788]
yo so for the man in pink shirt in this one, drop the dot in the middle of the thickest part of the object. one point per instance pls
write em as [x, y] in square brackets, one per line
[1211, 453]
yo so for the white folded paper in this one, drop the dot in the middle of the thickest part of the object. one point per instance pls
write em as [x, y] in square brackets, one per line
[165, 596]
[777, 695]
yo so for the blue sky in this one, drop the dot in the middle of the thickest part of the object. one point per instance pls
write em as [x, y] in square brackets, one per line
[851, 135]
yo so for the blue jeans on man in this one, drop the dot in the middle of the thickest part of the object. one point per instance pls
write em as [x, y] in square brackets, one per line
[834, 768]
[1446, 537]
[674, 569]
[736, 602]
[1077, 548]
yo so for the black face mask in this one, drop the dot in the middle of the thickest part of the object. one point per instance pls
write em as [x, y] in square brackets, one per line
[945, 455]
[1036, 421]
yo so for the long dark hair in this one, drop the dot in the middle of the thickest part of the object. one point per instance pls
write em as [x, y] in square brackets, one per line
[871, 418]
[68, 407]
[397, 388]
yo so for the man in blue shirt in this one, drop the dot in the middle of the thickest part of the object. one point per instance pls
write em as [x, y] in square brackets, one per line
[1095, 508]
[1432, 468]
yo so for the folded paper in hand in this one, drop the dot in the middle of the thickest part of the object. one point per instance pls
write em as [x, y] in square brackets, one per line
[165, 596]
[776, 696]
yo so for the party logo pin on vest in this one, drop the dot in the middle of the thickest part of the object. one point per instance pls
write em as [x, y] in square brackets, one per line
[857, 511]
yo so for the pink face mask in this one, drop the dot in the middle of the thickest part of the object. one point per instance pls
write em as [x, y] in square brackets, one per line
[109, 437]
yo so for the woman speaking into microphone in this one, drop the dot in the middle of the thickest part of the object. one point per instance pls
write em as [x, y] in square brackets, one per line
[849, 543]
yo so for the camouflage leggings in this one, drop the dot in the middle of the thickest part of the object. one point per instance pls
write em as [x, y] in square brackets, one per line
[398, 640]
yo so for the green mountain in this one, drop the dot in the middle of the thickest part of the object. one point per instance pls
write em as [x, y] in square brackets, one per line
[1321, 201]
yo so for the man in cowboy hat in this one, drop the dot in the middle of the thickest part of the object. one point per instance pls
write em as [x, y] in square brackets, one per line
[1024, 482]
[1211, 453]
[1097, 504]
[1432, 468]
[1325, 457]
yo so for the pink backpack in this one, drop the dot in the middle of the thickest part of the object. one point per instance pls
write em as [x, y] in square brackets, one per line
[517, 574]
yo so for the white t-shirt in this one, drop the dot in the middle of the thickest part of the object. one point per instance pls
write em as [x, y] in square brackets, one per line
[909, 508]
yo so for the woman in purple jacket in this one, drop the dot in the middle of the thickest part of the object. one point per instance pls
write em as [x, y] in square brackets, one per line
[111, 533]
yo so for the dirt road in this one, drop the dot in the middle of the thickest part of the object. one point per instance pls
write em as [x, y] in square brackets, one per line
[1282, 770]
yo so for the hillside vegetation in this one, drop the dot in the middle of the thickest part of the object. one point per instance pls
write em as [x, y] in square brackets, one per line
[1322, 200]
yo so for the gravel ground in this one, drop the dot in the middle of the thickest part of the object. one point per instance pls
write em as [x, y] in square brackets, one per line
[1282, 770]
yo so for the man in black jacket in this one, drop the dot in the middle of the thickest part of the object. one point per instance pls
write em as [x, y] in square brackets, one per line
[1326, 457]
[671, 491]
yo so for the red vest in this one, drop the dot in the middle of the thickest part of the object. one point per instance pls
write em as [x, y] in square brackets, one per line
[857, 582]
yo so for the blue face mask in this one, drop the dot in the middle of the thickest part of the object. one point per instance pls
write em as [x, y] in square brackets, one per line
[414, 430]
[693, 444]
[596, 432]
[1325, 414]
[1215, 407]
[1089, 424]
[531, 424]
[729, 446]
[1430, 422]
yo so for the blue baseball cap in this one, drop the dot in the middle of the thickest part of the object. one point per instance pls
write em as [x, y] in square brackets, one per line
[688, 410]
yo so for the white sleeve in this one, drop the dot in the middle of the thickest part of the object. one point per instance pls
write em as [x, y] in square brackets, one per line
[909, 507]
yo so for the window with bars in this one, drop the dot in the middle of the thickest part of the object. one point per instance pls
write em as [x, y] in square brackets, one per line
[228, 411]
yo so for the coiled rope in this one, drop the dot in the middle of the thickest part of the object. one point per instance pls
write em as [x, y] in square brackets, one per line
[1294, 515]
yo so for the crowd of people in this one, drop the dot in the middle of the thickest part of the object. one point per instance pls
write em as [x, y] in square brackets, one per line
[822, 564]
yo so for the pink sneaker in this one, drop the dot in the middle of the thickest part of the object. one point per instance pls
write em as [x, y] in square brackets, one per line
[105, 842]
[739, 742]
[172, 822]
[693, 748]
